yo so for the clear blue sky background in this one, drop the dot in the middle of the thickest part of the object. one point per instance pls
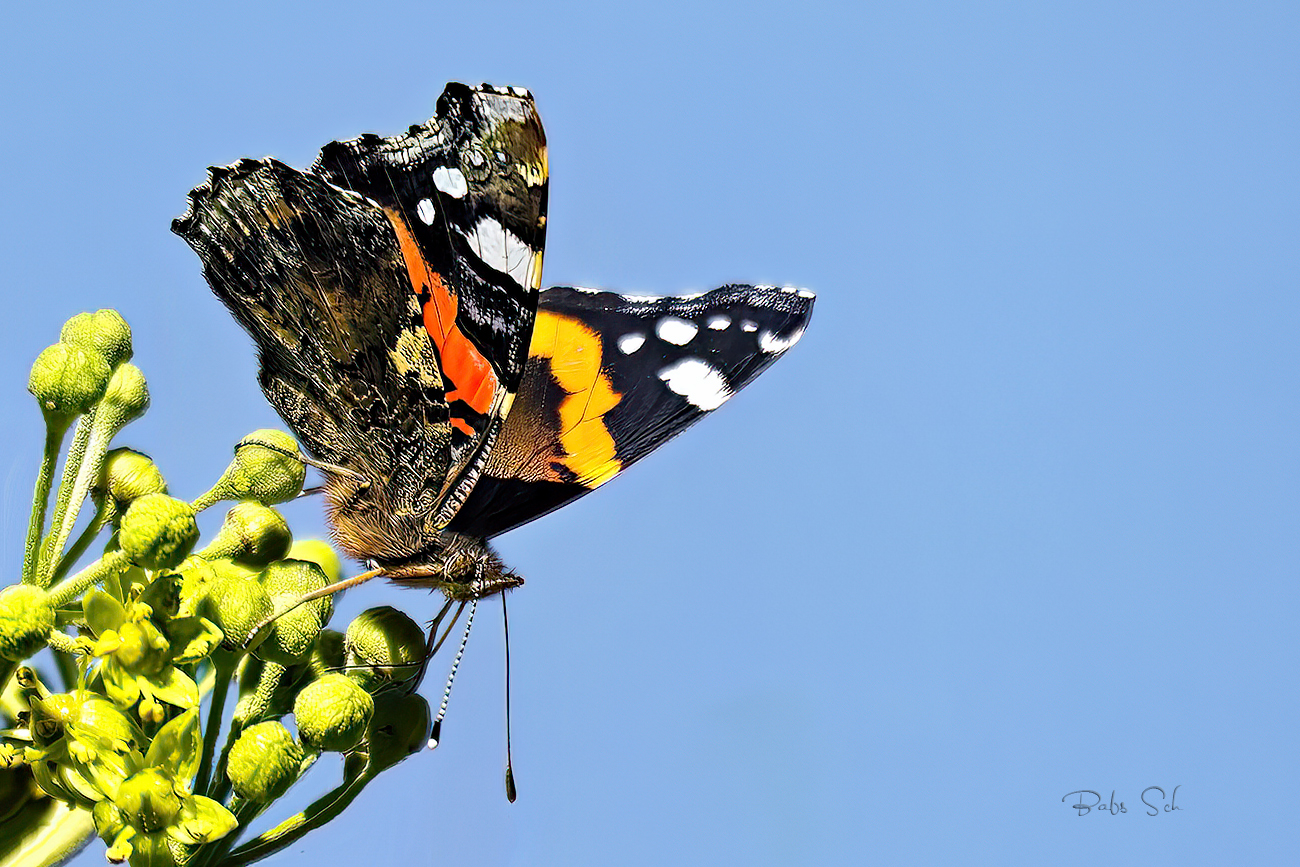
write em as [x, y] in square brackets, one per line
[1018, 517]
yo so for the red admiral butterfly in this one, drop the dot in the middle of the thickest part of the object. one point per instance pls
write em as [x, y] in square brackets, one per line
[394, 292]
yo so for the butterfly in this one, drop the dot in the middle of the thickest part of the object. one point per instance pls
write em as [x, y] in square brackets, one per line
[394, 293]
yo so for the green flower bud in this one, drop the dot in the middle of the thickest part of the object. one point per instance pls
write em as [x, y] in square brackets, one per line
[26, 618]
[266, 468]
[252, 534]
[385, 644]
[104, 331]
[158, 531]
[327, 654]
[127, 395]
[238, 606]
[149, 800]
[143, 648]
[399, 728]
[198, 576]
[127, 475]
[320, 553]
[264, 762]
[295, 630]
[332, 713]
[67, 381]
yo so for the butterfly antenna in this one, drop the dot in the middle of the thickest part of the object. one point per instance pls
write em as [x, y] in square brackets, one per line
[511, 792]
[434, 735]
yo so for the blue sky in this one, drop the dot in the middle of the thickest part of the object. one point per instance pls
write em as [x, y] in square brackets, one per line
[1018, 517]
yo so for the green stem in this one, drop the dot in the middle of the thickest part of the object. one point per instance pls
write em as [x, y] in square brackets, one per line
[55, 429]
[322, 810]
[104, 426]
[103, 515]
[70, 588]
[7, 668]
[223, 664]
[214, 853]
[63, 643]
[71, 467]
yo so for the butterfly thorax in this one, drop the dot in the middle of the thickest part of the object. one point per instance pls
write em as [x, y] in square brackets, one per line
[406, 545]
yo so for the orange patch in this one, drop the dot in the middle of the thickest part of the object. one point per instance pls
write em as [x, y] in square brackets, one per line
[468, 373]
[574, 352]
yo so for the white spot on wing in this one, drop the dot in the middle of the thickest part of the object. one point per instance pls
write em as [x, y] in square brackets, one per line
[629, 343]
[748, 325]
[698, 381]
[769, 341]
[426, 212]
[498, 248]
[678, 332]
[450, 181]
[719, 322]
[806, 293]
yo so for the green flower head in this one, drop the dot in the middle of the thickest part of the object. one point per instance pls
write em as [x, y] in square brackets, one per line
[158, 531]
[332, 713]
[26, 619]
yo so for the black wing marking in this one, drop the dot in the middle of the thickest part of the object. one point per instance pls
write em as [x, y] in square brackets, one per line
[661, 364]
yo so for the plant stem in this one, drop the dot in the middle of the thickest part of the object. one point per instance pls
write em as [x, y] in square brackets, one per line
[223, 665]
[71, 466]
[103, 427]
[70, 588]
[321, 811]
[54, 432]
[102, 516]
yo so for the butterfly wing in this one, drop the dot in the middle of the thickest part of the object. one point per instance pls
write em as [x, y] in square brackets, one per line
[612, 377]
[376, 326]
[466, 194]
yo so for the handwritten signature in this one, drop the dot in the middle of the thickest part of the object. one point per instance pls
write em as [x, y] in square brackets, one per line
[1090, 801]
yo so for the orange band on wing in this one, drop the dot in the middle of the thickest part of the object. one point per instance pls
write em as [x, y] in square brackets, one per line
[469, 375]
[574, 351]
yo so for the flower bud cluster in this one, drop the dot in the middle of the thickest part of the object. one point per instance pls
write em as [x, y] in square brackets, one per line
[159, 618]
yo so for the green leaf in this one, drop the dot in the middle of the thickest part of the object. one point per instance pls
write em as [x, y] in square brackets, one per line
[122, 686]
[177, 746]
[103, 612]
[44, 833]
[175, 687]
[204, 820]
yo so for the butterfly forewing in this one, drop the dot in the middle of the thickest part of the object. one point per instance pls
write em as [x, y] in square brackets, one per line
[466, 193]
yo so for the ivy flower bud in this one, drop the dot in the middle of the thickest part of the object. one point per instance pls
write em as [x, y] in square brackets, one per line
[128, 475]
[320, 553]
[252, 534]
[266, 468]
[149, 800]
[292, 636]
[399, 728]
[143, 649]
[67, 381]
[385, 644]
[327, 654]
[264, 762]
[158, 531]
[332, 713]
[238, 606]
[127, 395]
[104, 331]
[26, 619]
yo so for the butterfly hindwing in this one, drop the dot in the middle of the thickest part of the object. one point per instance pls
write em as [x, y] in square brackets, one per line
[318, 281]
[611, 377]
